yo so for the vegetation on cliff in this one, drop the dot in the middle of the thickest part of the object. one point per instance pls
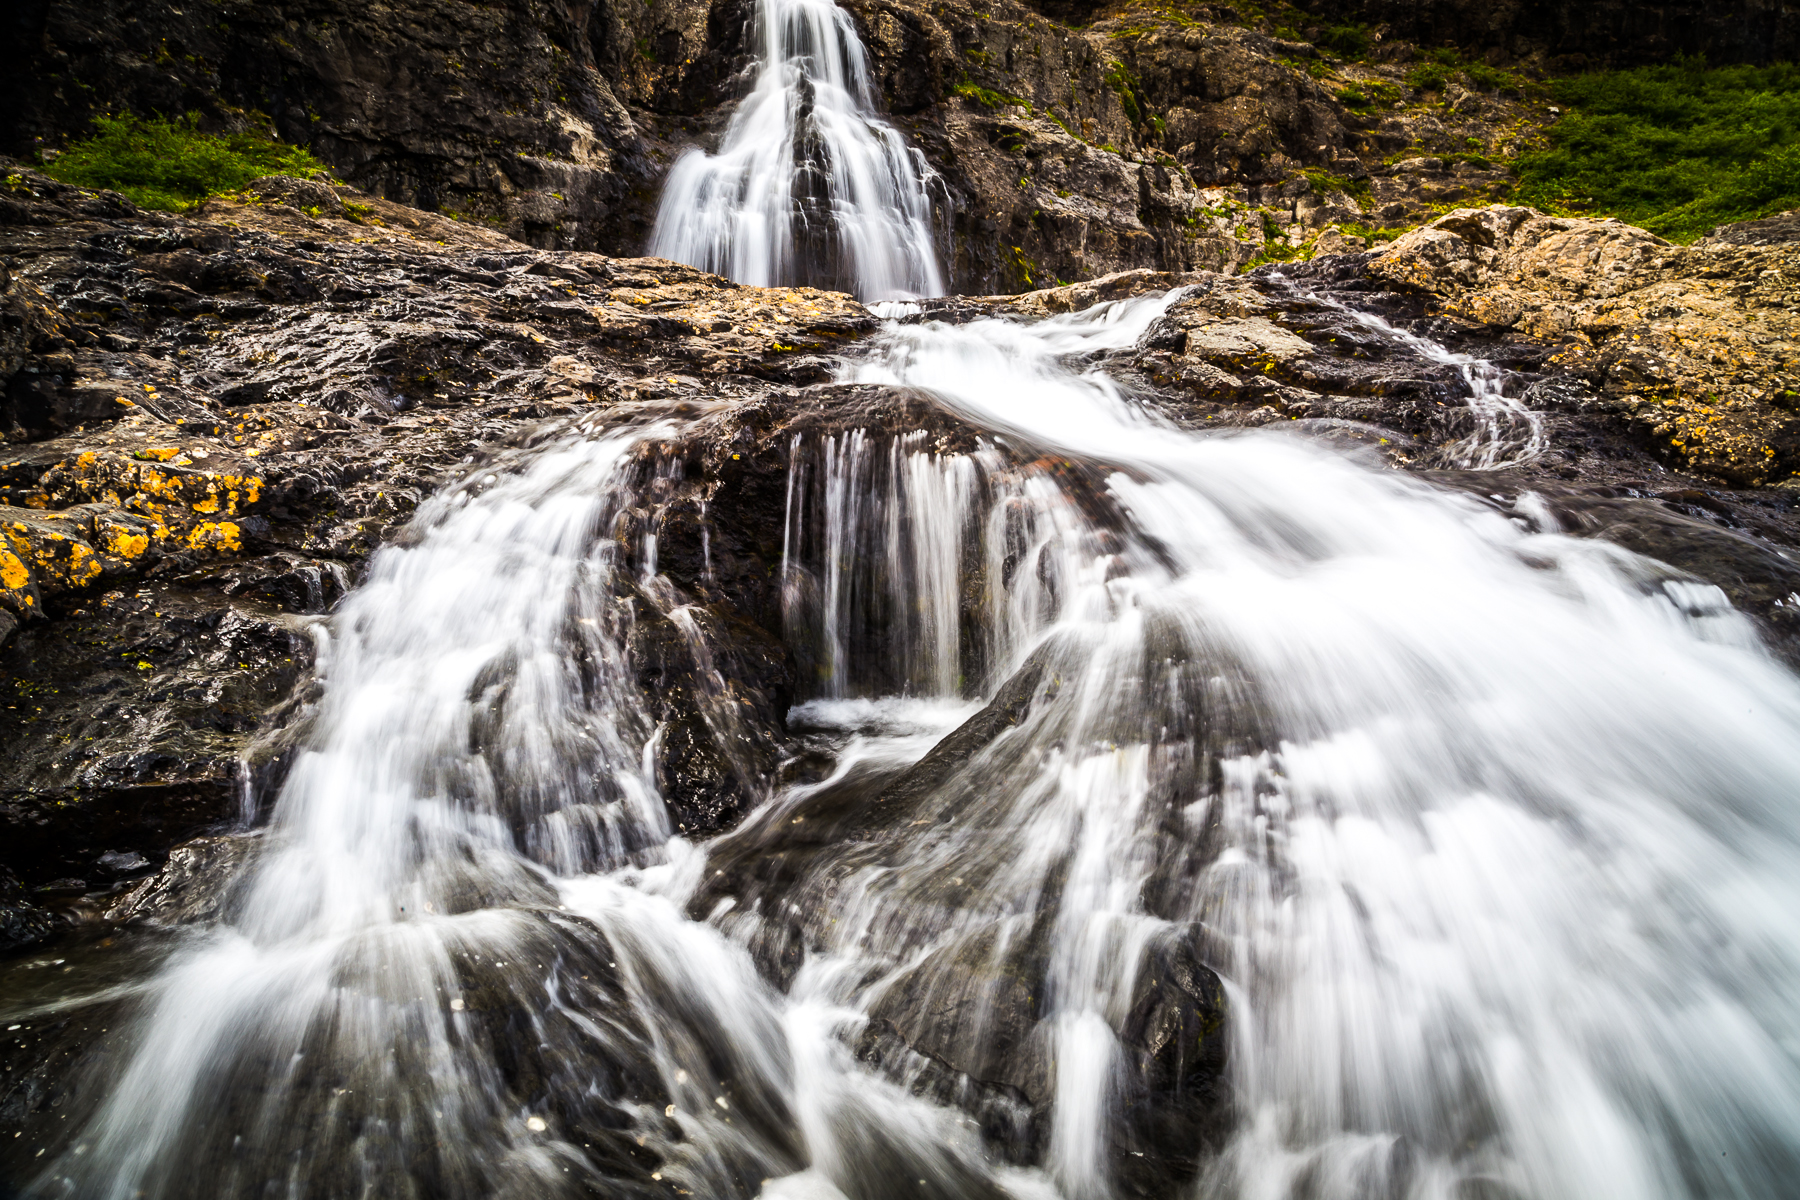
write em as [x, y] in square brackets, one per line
[170, 166]
[1677, 149]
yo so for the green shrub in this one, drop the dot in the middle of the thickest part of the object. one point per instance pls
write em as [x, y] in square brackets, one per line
[1440, 66]
[1352, 97]
[1428, 77]
[1346, 41]
[1676, 148]
[170, 165]
[1493, 79]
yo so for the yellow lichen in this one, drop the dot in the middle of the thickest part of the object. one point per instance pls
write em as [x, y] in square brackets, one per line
[14, 574]
[215, 535]
[122, 543]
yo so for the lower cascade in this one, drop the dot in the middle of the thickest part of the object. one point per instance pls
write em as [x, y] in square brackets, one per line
[1206, 815]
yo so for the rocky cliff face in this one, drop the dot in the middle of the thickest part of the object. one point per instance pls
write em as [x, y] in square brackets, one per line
[1069, 140]
[504, 114]
[1156, 139]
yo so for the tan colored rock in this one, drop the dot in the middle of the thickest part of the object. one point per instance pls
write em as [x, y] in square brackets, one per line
[1517, 247]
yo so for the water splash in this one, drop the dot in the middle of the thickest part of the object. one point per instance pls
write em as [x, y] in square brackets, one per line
[810, 185]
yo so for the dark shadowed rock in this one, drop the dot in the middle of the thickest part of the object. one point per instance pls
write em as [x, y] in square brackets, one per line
[972, 1026]
[194, 884]
[21, 921]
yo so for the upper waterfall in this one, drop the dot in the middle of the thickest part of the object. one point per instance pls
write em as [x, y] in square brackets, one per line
[810, 185]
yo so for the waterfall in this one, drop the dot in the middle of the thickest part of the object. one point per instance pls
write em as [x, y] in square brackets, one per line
[1468, 850]
[809, 186]
[1488, 833]
[1492, 853]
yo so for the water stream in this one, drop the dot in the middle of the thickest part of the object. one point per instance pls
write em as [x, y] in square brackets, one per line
[1506, 430]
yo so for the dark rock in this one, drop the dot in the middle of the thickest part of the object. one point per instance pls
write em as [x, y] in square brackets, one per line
[113, 862]
[21, 922]
[1770, 231]
[193, 885]
[969, 1027]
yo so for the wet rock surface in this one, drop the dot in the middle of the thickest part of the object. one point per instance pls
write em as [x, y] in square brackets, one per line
[1694, 347]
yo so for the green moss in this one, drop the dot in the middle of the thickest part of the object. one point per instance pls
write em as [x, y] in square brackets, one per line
[1676, 148]
[1493, 79]
[1446, 63]
[986, 97]
[1120, 79]
[1324, 181]
[1429, 76]
[1027, 270]
[1374, 234]
[170, 165]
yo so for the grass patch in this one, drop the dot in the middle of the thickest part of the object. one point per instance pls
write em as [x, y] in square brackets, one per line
[1677, 148]
[1374, 235]
[1351, 42]
[1120, 79]
[1324, 181]
[1445, 63]
[1368, 94]
[170, 165]
[987, 97]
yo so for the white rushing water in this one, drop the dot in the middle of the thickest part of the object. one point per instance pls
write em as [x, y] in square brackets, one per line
[1500, 889]
[809, 185]
[1490, 834]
